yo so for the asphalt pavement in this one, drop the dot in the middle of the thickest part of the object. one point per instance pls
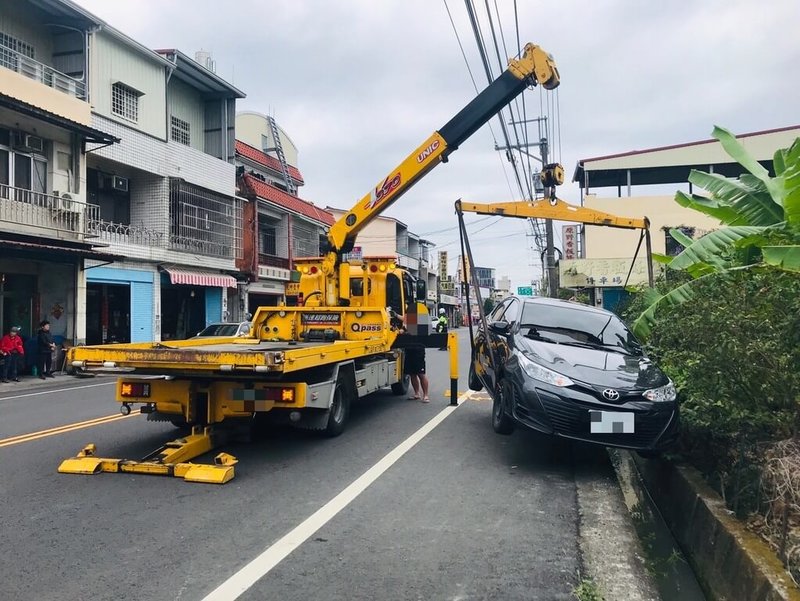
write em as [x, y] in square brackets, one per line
[413, 501]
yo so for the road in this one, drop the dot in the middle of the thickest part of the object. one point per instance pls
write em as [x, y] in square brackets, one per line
[462, 514]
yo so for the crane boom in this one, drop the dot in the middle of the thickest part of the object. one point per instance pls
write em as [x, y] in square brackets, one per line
[534, 67]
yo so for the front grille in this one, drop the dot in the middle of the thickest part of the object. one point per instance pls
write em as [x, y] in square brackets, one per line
[571, 418]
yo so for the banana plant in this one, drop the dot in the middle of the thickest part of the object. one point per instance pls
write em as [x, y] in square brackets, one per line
[760, 215]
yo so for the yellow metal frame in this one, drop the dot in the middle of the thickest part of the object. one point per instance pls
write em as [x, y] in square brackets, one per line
[553, 208]
[170, 460]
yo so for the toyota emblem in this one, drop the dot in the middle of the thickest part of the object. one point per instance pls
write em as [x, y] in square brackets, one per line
[611, 394]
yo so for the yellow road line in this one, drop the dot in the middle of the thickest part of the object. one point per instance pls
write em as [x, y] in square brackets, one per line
[7, 442]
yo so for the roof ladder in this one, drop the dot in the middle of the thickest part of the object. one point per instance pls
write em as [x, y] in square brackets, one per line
[278, 148]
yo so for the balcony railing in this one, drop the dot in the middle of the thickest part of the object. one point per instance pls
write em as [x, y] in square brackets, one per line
[122, 233]
[42, 73]
[64, 214]
[273, 261]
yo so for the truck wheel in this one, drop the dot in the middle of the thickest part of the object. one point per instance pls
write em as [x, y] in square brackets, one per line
[502, 422]
[473, 381]
[401, 387]
[339, 412]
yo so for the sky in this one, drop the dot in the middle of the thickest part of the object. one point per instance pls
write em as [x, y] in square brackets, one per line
[359, 84]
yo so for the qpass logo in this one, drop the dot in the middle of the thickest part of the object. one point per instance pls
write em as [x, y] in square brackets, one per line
[389, 185]
[428, 151]
[367, 327]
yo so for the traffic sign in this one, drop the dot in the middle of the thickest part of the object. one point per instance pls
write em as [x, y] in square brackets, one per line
[525, 291]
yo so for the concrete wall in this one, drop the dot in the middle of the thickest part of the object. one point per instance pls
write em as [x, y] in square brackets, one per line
[112, 62]
[663, 211]
[251, 126]
[185, 103]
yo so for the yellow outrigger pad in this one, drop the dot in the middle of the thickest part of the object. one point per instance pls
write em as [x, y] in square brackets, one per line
[169, 460]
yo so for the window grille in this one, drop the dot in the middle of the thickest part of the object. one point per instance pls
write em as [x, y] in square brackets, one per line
[16, 45]
[125, 102]
[179, 131]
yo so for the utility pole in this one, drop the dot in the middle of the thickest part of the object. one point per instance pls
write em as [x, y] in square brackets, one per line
[549, 254]
[549, 260]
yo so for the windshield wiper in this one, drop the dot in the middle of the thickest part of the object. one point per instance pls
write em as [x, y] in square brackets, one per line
[534, 334]
[600, 346]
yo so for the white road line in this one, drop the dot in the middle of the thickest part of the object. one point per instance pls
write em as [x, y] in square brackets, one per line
[20, 396]
[259, 567]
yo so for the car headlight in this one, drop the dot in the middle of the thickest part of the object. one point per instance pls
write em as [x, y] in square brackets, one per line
[537, 372]
[663, 394]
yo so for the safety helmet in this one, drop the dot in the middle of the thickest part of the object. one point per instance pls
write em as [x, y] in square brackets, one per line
[441, 311]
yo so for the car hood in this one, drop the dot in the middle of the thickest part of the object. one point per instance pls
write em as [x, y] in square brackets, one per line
[594, 366]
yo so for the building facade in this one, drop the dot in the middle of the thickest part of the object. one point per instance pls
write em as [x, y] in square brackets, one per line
[282, 226]
[605, 255]
[46, 136]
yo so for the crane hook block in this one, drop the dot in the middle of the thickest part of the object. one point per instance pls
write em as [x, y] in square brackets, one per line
[552, 175]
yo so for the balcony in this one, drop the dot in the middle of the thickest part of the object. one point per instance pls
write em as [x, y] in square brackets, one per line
[273, 261]
[122, 233]
[44, 74]
[28, 212]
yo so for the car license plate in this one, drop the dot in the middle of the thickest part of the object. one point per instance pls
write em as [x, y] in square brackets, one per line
[611, 422]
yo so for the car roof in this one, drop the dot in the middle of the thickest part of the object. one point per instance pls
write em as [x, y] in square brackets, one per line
[555, 302]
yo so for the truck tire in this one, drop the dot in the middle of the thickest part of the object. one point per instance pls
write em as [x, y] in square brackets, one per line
[339, 411]
[502, 422]
[472, 380]
[401, 387]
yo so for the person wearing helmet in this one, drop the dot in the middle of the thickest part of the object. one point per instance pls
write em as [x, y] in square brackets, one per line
[441, 325]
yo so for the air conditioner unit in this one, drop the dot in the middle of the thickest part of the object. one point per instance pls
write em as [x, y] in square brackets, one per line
[120, 184]
[29, 143]
[63, 202]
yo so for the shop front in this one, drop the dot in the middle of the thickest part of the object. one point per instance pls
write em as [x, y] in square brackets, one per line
[191, 300]
[119, 305]
[265, 293]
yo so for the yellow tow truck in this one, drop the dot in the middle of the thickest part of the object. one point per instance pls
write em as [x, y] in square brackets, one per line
[304, 364]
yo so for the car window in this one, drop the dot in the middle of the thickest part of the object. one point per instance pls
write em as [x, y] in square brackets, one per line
[575, 325]
[497, 311]
[512, 313]
[219, 329]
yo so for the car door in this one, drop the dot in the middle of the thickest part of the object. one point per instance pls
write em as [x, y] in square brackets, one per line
[501, 333]
[485, 342]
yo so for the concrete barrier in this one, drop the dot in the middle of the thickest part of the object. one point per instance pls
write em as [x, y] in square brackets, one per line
[731, 562]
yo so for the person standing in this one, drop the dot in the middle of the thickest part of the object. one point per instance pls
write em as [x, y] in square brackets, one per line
[45, 346]
[11, 349]
[414, 367]
[441, 326]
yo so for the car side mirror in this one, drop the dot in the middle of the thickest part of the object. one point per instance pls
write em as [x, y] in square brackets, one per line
[500, 327]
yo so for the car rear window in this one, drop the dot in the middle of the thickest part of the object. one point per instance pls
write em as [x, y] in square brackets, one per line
[577, 325]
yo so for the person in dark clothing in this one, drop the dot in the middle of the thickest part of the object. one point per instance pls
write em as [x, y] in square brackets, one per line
[46, 346]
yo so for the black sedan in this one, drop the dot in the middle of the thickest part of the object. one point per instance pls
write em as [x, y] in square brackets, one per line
[571, 370]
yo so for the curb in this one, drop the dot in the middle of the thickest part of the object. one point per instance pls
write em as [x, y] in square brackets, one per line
[731, 562]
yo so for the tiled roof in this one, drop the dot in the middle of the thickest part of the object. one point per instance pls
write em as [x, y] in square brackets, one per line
[262, 158]
[293, 203]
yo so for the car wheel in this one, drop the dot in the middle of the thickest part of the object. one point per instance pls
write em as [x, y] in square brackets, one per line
[401, 387]
[502, 422]
[338, 413]
[473, 381]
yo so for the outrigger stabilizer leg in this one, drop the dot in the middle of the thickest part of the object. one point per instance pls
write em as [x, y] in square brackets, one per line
[170, 460]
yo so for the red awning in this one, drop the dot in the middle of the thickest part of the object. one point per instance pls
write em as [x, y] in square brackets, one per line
[200, 278]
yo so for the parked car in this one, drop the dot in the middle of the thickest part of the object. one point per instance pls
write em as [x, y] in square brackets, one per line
[241, 328]
[568, 369]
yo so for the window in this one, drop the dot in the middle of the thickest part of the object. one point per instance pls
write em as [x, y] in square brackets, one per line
[512, 314]
[16, 45]
[125, 102]
[268, 240]
[179, 131]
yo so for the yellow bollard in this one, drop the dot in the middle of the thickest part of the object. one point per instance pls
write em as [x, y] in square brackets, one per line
[452, 347]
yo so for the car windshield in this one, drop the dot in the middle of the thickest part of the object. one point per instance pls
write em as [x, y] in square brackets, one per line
[577, 326]
[220, 329]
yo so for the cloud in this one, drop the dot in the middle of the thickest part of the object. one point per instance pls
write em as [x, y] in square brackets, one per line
[359, 84]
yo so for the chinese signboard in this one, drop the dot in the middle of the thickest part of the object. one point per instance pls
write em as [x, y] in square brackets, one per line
[569, 238]
[595, 273]
[442, 264]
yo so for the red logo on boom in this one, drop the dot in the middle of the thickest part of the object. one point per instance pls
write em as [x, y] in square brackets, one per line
[428, 151]
[388, 186]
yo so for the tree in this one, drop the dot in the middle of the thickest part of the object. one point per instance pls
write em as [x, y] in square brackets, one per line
[762, 218]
